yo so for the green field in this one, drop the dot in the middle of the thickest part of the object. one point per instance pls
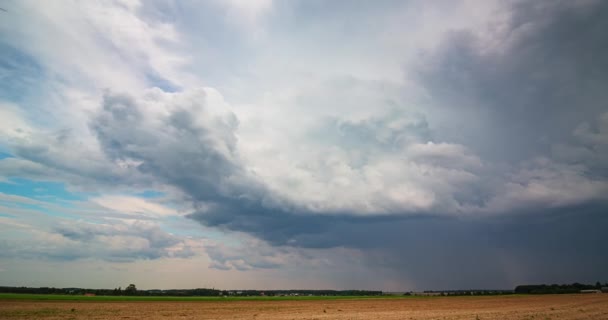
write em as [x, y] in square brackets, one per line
[60, 297]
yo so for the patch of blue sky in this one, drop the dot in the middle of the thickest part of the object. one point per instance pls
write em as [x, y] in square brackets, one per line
[40, 190]
[23, 205]
[16, 209]
[4, 154]
[150, 194]
[156, 80]
[20, 74]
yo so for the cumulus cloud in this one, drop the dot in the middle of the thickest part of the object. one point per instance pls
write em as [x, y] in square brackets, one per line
[244, 258]
[120, 241]
[408, 157]
[180, 139]
[394, 164]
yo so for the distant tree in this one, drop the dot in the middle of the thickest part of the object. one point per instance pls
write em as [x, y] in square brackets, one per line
[130, 290]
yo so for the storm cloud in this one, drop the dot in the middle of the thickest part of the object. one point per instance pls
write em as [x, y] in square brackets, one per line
[409, 190]
[478, 158]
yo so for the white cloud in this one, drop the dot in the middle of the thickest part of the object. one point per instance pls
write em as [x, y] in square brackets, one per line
[134, 206]
[248, 14]
[113, 240]
[12, 124]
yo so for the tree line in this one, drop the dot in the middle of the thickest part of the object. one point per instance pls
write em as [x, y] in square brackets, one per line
[558, 288]
[131, 290]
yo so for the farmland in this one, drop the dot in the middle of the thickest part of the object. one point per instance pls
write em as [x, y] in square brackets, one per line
[577, 306]
[62, 297]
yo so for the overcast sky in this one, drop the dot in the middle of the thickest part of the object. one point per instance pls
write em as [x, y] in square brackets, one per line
[392, 145]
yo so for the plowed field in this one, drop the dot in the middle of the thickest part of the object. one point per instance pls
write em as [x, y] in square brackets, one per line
[580, 306]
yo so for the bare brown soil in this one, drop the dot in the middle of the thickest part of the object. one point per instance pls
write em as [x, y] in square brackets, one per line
[581, 306]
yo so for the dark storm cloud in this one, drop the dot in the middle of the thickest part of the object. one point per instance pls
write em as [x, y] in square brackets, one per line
[189, 155]
[172, 147]
[539, 80]
[560, 245]
[178, 149]
[546, 76]
[501, 251]
[525, 83]
[510, 98]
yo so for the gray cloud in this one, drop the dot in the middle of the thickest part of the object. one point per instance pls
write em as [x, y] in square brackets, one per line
[245, 258]
[175, 138]
[111, 241]
[501, 90]
[443, 252]
[532, 86]
[526, 82]
[501, 181]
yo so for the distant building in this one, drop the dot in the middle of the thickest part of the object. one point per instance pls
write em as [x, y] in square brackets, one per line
[591, 291]
[426, 293]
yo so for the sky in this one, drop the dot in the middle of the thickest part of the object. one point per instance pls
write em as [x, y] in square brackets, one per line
[259, 144]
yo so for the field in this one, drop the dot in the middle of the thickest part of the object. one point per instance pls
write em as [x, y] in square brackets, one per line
[60, 297]
[542, 307]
